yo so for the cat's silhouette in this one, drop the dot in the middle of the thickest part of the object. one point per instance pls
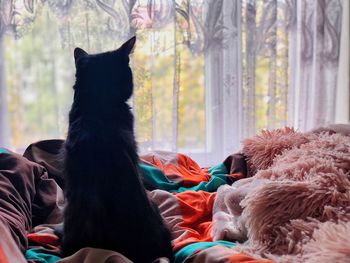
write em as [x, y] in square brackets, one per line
[107, 205]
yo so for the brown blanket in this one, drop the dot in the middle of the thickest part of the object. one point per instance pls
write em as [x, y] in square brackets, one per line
[27, 195]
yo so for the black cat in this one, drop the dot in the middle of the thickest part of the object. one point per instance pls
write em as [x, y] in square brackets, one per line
[107, 206]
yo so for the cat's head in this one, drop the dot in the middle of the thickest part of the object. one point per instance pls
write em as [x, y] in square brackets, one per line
[105, 77]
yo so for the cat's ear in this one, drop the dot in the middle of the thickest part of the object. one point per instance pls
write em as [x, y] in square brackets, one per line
[128, 47]
[78, 53]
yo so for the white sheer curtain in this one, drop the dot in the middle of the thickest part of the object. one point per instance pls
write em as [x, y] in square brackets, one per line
[342, 114]
[207, 73]
[314, 56]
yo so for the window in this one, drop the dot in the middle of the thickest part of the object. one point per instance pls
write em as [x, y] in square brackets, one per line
[207, 73]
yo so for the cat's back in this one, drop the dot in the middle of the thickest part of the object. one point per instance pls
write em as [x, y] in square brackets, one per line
[95, 146]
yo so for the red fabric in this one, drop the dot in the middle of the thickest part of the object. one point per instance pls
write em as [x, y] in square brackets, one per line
[196, 210]
[181, 167]
[46, 239]
[3, 258]
[243, 258]
[49, 243]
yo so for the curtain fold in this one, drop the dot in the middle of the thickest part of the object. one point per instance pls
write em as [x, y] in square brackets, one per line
[315, 45]
[4, 118]
[343, 83]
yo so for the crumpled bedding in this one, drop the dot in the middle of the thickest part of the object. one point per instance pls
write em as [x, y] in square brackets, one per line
[296, 207]
[184, 192]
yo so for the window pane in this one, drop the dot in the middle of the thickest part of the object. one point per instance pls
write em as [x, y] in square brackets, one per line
[40, 75]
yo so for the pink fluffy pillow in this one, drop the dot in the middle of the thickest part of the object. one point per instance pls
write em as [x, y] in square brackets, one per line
[261, 149]
[330, 243]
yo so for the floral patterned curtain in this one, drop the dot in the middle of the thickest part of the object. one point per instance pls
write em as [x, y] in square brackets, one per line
[207, 73]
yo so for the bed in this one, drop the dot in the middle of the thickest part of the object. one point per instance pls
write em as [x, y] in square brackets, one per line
[284, 198]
